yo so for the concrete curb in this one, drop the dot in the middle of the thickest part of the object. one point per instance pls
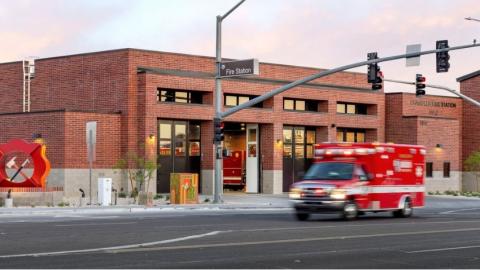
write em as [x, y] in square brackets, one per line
[138, 209]
[454, 197]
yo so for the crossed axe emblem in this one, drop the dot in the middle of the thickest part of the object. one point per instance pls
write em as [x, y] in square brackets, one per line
[11, 164]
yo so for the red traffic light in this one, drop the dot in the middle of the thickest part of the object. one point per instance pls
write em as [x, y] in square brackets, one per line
[421, 79]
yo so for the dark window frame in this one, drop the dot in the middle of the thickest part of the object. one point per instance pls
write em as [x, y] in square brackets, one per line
[237, 97]
[446, 169]
[429, 169]
[355, 131]
[360, 108]
[293, 144]
[309, 105]
[193, 97]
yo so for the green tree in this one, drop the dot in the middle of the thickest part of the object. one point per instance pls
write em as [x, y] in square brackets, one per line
[139, 171]
[472, 164]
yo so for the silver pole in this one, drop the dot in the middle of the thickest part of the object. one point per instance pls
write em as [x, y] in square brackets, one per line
[90, 163]
[472, 19]
[457, 93]
[331, 71]
[218, 183]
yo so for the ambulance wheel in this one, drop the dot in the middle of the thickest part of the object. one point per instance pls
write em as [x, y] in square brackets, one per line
[302, 216]
[406, 211]
[350, 211]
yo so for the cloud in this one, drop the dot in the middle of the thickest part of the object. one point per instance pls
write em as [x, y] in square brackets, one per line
[50, 27]
[313, 33]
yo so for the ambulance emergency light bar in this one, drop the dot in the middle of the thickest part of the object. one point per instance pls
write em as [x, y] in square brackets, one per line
[359, 151]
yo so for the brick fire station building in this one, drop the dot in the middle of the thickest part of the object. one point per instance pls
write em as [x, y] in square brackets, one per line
[164, 102]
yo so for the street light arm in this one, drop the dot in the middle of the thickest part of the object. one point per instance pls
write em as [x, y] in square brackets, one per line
[472, 19]
[457, 93]
[231, 10]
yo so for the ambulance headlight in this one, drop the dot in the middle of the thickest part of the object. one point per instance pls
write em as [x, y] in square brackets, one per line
[295, 193]
[338, 194]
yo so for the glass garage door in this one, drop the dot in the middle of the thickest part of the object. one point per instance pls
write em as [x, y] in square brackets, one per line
[178, 150]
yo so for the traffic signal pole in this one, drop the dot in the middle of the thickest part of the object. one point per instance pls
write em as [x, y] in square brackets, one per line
[218, 183]
[457, 93]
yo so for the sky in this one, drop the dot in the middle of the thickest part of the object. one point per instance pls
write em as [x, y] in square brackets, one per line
[313, 33]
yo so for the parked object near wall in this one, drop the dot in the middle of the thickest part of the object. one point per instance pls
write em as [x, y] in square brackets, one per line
[183, 188]
[33, 153]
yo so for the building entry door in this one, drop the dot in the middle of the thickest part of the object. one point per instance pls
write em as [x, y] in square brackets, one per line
[298, 149]
[252, 159]
[178, 150]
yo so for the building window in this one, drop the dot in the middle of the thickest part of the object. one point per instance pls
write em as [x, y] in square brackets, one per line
[350, 135]
[446, 169]
[351, 108]
[300, 105]
[429, 169]
[179, 96]
[298, 142]
[235, 100]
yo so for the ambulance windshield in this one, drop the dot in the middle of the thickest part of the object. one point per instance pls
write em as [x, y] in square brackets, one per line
[330, 171]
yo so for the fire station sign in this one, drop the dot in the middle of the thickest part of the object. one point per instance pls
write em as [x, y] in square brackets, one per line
[239, 68]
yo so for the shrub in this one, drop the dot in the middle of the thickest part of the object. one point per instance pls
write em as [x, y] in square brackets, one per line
[122, 195]
[158, 196]
[62, 204]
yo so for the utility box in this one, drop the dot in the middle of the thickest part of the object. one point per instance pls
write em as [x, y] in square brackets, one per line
[105, 191]
[183, 188]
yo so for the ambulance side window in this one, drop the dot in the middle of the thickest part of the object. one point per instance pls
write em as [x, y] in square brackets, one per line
[360, 172]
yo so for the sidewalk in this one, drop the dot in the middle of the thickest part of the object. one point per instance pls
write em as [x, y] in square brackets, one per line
[231, 201]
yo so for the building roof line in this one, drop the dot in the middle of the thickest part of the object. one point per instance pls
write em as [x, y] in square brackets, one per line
[431, 117]
[58, 111]
[427, 95]
[180, 54]
[468, 76]
[207, 75]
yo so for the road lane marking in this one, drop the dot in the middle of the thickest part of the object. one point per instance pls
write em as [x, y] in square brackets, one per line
[459, 210]
[441, 249]
[358, 225]
[283, 241]
[95, 224]
[90, 250]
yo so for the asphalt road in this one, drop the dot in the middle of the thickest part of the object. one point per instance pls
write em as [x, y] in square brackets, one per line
[445, 234]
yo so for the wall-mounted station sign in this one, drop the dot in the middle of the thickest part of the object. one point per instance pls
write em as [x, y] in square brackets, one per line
[239, 68]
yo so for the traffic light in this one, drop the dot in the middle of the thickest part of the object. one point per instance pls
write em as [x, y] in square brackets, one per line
[218, 130]
[374, 73]
[377, 85]
[420, 85]
[372, 68]
[442, 57]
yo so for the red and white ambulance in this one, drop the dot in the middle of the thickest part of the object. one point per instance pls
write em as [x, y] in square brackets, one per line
[352, 179]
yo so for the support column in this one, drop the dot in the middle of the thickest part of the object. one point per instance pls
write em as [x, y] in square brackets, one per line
[207, 149]
[271, 139]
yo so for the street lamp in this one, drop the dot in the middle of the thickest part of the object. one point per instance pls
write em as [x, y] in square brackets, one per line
[472, 19]
[218, 187]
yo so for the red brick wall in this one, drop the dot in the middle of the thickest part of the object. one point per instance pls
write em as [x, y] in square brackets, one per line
[49, 124]
[108, 139]
[397, 128]
[446, 132]
[409, 123]
[11, 87]
[65, 136]
[471, 117]
[108, 81]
